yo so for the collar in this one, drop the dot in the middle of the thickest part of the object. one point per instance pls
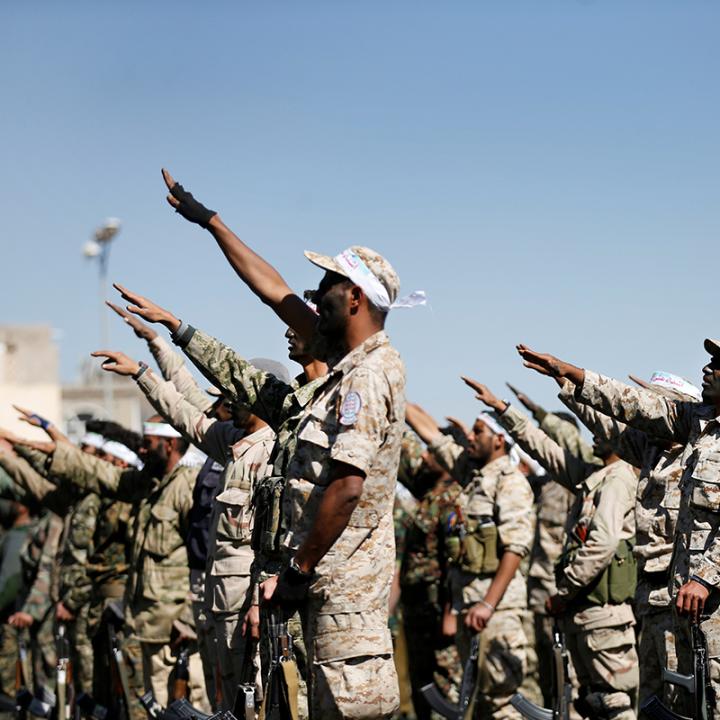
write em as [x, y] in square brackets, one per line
[245, 443]
[497, 466]
[359, 353]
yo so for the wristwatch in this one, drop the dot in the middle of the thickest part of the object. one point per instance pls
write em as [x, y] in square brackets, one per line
[143, 367]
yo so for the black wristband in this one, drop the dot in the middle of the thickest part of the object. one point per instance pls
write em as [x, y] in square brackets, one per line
[190, 208]
[704, 583]
[143, 367]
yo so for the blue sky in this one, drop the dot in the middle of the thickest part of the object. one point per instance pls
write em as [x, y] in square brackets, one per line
[547, 172]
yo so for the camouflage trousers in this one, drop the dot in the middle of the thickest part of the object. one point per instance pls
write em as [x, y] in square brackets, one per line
[656, 647]
[502, 662]
[606, 663]
[81, 651]
[348, 677]
[431, 657]
[43, 650]
[8, 659]
[544, 640]
[683, 644]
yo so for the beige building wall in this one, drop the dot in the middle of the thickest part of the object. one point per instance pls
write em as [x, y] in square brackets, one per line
[28, 376]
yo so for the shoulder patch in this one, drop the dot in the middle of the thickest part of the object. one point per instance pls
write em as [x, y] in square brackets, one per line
[350, 408]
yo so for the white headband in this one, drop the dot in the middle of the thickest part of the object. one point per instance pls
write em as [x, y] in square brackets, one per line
[194, 457]
[356, 270]
[122, 452]
[93, 440]
[497, 429]
[160, 429]
[675, 382]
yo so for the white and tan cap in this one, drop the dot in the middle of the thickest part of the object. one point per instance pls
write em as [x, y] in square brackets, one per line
[367, 269]
[712, 347]
[674, 383]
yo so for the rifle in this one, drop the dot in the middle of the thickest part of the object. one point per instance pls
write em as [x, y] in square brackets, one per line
[562, 688]
[697, 684]
[182, 675]
[63, 675]
[25, 701]
[245, 700]
[281, 696]
[178, 710]
[468, 689]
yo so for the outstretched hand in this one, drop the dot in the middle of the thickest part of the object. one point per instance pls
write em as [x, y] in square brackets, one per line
[459, 425]
[117, 362]
[485, 395]
[547, 364]
[524, 399]
[147, 309]
[45, 447]
[32, 418]
[421, 422]
[185, 204]
[141, 330]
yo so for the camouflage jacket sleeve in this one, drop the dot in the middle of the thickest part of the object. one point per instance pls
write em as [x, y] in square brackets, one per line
[57, 498]
[629, 444]
[566, 468]
[75, 583]
[212, 437]
[452, 457]
[36, 459]
[617, 499]
[515, 524]
[173, 368]
[262, 393]
[568, 437]
[39, 599]
[645, 410]
[90, 474]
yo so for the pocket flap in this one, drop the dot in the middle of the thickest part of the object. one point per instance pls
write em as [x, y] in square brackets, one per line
[234, 496]
[163, 513]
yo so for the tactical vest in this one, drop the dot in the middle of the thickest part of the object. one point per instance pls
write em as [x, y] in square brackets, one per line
[471, 540]
[616, 583]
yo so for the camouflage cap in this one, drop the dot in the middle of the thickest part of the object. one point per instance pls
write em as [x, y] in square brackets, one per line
[712, 347]
[375, 262]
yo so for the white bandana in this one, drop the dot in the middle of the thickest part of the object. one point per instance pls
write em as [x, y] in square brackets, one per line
[122, 452]
[357, 271]
[93, 440]
[497, 429]
[160, 429]
[675, 382]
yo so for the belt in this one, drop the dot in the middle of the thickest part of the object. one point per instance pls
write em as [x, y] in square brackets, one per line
[659, 576]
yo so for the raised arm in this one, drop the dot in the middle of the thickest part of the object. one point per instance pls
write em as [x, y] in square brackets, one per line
[171, 364]
[642, 409]
[261, 277]
[197, 428]
[629, 444]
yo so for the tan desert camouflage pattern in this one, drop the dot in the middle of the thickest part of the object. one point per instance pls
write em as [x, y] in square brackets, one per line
[173, 368]
[657, 500]
[498, 490]
[158, 585]
[606, 664]
[502, 662]
[353, 415]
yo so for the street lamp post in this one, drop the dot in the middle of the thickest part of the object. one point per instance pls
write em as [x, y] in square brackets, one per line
[99, 247]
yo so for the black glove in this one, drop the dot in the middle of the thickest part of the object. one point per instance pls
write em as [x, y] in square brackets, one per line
[190, 208]
[291, 590]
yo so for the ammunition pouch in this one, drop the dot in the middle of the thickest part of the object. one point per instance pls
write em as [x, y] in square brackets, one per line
[268, 528]
[478, 546]
[614, 585]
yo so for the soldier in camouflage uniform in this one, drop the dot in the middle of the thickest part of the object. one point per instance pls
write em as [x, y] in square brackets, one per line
[694, 571]
[243, 447]
[157, 591]
[488, 533]
[423, 575]
[656, 511]
[597, 574]
[354, 420]
[554, 502]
